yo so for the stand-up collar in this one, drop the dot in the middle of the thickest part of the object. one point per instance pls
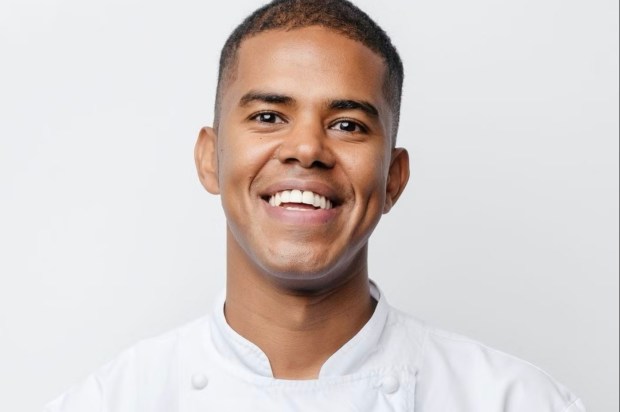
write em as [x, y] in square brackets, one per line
[239, 351]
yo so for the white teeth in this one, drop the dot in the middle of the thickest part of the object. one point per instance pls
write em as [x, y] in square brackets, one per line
[308, 198]
[285, 197]
[317, 201]
[297, 196]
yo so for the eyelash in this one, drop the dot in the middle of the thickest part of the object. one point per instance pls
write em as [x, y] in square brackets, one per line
[255, 117]
[362, 128]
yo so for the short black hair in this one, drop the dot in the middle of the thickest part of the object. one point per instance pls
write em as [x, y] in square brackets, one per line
[342, 16]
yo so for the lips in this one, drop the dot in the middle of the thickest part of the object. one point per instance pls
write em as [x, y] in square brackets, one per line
[303, 195]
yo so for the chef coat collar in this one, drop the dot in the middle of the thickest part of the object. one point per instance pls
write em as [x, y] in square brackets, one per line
[239, 351]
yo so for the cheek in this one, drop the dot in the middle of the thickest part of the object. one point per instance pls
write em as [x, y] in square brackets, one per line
[368, 171]
[240, 159]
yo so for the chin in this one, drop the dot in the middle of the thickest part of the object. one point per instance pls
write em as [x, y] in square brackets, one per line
[305, 275]
[297, 273]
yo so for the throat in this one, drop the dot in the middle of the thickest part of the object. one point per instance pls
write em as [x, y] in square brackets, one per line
[299, 334]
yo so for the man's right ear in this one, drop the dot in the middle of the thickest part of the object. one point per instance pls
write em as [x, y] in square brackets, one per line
[205, 154]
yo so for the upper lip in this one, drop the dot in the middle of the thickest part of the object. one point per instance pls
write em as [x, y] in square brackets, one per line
[317, 187]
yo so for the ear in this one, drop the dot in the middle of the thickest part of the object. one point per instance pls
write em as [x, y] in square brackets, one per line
[205, 155]
[398, 176]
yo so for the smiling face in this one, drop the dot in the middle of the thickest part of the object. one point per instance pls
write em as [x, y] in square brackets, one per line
[302, 157]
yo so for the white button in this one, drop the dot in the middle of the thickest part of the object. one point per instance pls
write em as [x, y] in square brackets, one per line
[390, 384]
[199, 381]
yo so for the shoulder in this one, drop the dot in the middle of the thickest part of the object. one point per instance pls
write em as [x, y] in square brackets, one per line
[148, 366]
[459, 373]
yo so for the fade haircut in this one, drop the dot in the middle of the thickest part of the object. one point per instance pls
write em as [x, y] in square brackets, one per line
[340, 16]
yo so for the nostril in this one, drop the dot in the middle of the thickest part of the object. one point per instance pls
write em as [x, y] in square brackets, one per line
[319, 165]
[316, 164]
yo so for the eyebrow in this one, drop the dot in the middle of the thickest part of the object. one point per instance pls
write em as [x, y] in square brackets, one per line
[271, 98]
[338, 104]
[366, 107]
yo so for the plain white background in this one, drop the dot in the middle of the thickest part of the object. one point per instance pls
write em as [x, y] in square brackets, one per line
[507, 233]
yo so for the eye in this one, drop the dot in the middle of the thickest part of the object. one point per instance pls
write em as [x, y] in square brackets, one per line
[348, 126]
[267, 117]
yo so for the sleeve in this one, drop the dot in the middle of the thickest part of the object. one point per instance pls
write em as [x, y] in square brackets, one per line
[87, 397]
[139, 378]
[576, 406]
[111, 388]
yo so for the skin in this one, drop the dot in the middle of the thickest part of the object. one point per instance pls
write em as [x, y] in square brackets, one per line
[305, 109]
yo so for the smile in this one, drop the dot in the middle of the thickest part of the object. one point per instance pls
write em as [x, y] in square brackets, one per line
[300, 200]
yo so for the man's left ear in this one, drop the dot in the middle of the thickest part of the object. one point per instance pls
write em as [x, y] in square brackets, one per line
[398, 176]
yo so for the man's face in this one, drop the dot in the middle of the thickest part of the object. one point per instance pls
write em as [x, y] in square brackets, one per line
[303, 155]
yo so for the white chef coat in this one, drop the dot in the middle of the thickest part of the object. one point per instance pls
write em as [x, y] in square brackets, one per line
[395, 363]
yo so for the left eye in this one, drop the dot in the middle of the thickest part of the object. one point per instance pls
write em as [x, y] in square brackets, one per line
[348, 126]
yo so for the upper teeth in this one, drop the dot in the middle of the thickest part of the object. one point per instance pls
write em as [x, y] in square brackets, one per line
[297, 196]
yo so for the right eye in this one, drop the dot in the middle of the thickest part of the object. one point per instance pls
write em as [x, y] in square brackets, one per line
[268, 117]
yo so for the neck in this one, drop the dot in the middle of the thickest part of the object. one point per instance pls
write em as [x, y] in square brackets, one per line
[298, 331]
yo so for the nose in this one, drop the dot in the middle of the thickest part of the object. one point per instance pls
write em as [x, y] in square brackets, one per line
[306, 145]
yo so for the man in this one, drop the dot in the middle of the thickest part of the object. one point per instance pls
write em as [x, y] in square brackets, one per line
[303, 154]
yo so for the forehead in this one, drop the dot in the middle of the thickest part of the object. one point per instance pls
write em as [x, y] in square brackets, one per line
[312, 62]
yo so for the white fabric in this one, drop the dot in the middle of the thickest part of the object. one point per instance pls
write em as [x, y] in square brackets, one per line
[394, 364]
